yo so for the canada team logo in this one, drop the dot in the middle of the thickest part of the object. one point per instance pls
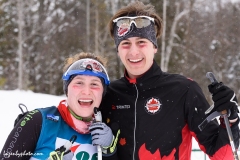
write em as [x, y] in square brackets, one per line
[153, 105]
[124, 29]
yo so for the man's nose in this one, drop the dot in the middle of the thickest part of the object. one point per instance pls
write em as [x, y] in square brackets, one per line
[134, 49]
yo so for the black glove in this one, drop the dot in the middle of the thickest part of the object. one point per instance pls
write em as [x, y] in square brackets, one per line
[101, 134]
[224, 99]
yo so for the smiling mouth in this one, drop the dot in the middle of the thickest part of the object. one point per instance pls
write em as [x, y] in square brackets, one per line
[135, 60]
[85, 102]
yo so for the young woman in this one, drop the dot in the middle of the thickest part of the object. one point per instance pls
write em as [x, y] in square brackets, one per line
[64, 131]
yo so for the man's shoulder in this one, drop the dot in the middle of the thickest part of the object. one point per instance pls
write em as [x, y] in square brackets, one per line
[177, 77]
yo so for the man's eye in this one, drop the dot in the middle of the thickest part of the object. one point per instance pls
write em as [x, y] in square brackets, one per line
[125, 43]
[141, 42]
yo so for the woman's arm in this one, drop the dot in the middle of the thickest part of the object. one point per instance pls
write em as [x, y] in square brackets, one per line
[23, 139]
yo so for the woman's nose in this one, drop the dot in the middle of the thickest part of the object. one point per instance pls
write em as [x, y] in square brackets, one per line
[86, 90]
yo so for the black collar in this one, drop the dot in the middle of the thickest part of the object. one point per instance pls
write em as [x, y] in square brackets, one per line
[148, 76]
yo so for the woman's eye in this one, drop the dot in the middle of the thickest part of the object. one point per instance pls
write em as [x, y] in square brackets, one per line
[79, 82]
[95, 84]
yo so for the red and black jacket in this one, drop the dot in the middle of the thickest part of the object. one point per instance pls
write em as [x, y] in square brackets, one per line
[158, 114]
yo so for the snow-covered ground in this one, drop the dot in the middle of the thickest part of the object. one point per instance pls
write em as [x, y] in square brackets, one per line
[9, 111]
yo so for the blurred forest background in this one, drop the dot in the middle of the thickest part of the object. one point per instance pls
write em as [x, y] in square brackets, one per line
[36, 36]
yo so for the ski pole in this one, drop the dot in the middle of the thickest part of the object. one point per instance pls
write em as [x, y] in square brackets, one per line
[212, 78]
[98, 118]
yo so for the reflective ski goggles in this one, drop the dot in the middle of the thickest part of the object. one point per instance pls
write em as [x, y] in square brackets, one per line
[89, 67]
[139, 21]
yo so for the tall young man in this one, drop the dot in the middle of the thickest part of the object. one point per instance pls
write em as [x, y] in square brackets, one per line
[154, 114]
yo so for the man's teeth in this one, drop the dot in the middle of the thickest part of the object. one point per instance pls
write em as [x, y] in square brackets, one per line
[135, 60]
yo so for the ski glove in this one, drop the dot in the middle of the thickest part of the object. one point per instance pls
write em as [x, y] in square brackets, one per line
[101, 134]
[224, 99]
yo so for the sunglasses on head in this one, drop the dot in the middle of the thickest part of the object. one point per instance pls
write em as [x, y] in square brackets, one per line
[87, 66]
[139, 21]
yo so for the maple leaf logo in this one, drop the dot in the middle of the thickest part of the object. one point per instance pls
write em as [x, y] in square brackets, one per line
[114, 107]
[153, 105]
[122, 141]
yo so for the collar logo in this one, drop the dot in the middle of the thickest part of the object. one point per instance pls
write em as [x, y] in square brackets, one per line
[153, 105]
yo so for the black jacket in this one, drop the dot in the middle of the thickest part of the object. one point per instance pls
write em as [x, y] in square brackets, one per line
[158, 114]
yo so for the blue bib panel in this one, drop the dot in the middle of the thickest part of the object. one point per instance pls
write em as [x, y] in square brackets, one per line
[56, 132]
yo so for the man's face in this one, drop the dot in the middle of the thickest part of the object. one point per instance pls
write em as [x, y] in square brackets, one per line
[84, 93]
[137, 55]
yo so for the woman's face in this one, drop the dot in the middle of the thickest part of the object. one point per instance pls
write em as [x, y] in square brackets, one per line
[84, 93]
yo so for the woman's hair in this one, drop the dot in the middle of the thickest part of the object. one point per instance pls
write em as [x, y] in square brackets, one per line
[82, 55]
[138, 8]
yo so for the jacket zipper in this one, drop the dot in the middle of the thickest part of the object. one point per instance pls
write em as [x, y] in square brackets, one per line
[135, 118]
